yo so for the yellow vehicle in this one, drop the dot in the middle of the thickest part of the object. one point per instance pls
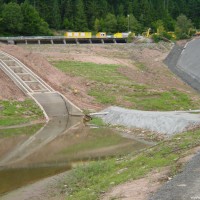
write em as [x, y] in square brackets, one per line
[78, 34]
[173, 35]
[118, 35]
[147, 33]
[101, 35]
[197, 33]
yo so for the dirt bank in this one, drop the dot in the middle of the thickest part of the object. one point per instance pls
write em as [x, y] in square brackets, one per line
[55, 78]
[143, 66]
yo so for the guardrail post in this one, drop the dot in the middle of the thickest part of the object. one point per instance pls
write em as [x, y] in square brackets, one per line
[38, 41]
[52, 42]
[77, 42]
[102, 41]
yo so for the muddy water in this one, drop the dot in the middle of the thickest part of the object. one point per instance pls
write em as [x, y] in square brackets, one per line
[54, 148]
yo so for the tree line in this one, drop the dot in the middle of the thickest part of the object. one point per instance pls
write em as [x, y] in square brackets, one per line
[38, 17]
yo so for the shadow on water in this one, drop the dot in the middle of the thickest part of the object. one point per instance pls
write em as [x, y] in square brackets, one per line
[27, 157]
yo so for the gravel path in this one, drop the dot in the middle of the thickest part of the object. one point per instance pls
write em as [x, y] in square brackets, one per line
[162, 122]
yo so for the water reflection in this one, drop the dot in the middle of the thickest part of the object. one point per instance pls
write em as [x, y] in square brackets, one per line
[55, 148]
[46, 134]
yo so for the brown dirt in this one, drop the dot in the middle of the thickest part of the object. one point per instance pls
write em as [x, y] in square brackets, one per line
[155, 74]
[8, 90]
[55, 78]
[143, 188]
[36, 57]
[140, 189]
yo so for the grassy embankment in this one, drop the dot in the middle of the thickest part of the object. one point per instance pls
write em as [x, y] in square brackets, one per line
[18, 112]
[112, 88]
[90, 180]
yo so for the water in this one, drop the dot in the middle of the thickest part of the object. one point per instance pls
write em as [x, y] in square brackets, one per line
[26, 157]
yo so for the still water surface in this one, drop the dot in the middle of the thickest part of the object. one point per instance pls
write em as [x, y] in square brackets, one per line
[32, 153]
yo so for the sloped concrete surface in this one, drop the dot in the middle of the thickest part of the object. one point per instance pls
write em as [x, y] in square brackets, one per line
[185, 63]
[53, 103]
[189, 60]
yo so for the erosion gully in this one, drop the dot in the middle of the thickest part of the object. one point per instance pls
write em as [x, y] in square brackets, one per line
[57, 147]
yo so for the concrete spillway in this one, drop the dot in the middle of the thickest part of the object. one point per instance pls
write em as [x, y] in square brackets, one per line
[50, 101]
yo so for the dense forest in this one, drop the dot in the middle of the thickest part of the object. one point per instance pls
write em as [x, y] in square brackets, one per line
[38, 17]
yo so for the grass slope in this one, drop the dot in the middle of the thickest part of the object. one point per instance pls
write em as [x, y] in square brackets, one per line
[18, 112]
[89, 181]
[112, 88]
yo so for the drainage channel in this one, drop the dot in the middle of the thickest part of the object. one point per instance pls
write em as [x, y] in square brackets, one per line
[50, 101]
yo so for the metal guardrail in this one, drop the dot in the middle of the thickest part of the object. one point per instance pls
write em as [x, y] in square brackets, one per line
[52, 38]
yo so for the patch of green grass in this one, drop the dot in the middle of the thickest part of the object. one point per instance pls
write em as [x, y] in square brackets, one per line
[18, 112]
[141, 66]
[103, 73]
[173, 100]
[97, 121]
[110, 87]
[102, 96]
[28, 130]
[90, 180]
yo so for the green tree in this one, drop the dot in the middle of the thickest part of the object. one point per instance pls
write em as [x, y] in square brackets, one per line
[97, 25]
[91, 11]
[110, 23]
[193, 12]
[67, 14]
[159, 26]
[66, 24]
[80, 22]
[32, 22]
[122, 24]
[183, 25]
[44, 28]
[134, 25]
[55, 17]
[12, 18]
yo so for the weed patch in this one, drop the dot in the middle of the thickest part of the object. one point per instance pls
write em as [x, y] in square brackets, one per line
[141, 66]
[173, 100]
[113, 88]
[14, 112]
[98, 121]
[90, 180]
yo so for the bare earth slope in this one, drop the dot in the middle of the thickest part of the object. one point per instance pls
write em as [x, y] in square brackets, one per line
[151, 72]
[8, 90]
[58, 80]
